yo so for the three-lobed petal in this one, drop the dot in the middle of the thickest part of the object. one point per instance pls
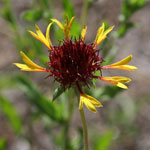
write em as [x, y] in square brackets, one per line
[89, 102]
[29, 64]
[40, 36]
[122, 64]
[65, 28]
[101, 34]
[117, 80]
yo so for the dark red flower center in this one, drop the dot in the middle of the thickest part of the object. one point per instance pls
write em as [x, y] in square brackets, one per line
[74, 62]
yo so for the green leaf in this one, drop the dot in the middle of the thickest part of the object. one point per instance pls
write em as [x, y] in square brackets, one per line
[124, 28]
[8, 16]
[110, 91]
[6, 81]
[75, 29]
[104, 142]
[58, 91]
[32, 15]
[11, 114]
[131, 6]
[68, 8]
[2, 144]
[43, 104]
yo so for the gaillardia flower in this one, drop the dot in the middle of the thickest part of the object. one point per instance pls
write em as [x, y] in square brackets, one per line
[73, 63]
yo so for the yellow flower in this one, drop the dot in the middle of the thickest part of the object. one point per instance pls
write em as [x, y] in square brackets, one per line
[74, 62]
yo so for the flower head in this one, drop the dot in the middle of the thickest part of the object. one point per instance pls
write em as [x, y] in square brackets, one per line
[73, 63]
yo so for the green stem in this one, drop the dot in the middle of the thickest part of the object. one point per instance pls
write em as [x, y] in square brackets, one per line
[66, 135]
[85, 132]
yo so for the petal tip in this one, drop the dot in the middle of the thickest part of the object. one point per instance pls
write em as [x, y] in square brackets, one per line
[22, 53]
[14, 64]
[136, 68]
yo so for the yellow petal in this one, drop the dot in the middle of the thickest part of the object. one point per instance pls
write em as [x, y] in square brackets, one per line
[40, 34]
[100, 32]
[121, 85]
[121, 64]
[123, 61]
[58, 23]
[66, 28]
[90, 102]
[36, 36]
[101, 35]
[29, 62]
[122, 67]
[108, 30]
[94, 101]
[71, 21]
[118, 81]
[90, 106]
[129, 67]
[24, 67]
[47, 35]
[39, 38]
[83, 32]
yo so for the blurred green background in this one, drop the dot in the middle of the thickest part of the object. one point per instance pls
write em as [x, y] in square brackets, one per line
[29, 120]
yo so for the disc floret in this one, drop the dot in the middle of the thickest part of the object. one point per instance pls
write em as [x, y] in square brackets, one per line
[74, 62]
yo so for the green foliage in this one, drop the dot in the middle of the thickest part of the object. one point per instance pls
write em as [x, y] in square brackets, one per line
[75, 30]
[43, 104]
[2, 144]
[7, 14]
[6, 82]
[122, 30]
[32, 15]
[11, 113]
[109, 92]
[104, 141]
[68, 8]
[58, 91]
[129, 7]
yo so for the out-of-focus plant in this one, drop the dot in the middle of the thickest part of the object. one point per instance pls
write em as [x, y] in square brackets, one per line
[129, 7]
[104, 141]
[11, 114]
[2, 144]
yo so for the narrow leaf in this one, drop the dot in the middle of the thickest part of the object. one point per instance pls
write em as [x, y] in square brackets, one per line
[58, 91]
[11, 113]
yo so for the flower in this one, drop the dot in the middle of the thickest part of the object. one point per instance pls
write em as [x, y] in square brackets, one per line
[73, 63]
